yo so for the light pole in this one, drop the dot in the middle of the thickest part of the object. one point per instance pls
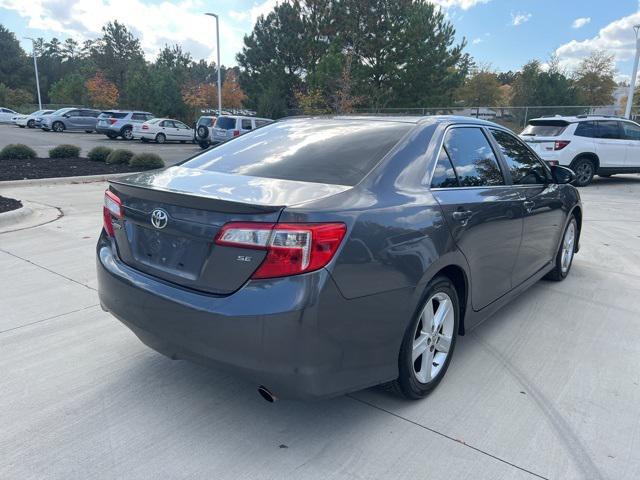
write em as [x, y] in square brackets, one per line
[218, 48]
[632, 83]
[35, 64]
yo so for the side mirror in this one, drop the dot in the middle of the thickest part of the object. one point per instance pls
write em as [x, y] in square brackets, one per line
[66, 115]
[562, 175]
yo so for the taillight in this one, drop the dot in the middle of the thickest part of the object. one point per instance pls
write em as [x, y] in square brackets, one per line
[112, 208]
[292, 248]
[236, 133]
[145, 126]
[112, 120]
[560, 144]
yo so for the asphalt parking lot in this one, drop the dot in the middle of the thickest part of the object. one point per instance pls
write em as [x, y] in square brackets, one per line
[547, 388]
[42, 142]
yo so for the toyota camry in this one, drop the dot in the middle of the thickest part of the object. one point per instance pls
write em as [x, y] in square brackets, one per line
[318, 256]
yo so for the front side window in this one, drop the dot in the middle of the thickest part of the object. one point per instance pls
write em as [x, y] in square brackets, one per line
[609, 129]
[444, 175]
[246, 124]
[73, 113]
[631, 131]
[525, 168]
[179, 124]
[472, 157]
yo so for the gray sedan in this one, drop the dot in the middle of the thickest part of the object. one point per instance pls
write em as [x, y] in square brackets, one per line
[317, 256]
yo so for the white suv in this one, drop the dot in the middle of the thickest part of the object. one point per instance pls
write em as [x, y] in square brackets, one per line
[589, 145]
[228, 127]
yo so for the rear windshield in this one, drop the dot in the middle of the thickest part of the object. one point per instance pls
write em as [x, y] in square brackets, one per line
[330, 151]
[545, 128]
[112, 115]
[226, 123]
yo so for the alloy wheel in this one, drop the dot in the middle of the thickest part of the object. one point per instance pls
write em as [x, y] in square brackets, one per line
[433, 337]
[568, 247]
[584, 172]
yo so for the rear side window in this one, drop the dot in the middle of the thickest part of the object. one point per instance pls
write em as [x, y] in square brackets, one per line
[586, 129]
[112, 115]
[525, 168]
[139, 116]
[330, 151]
[226, 123]
[609, 129]
[246, 124]
[544, 128]
[444, 175]
[631, 131]
[472, 157]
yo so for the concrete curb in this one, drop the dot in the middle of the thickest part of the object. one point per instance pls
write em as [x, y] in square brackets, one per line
[31, 215]
[63, 180]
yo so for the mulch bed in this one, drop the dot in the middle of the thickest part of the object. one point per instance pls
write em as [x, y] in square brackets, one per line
[57, 167]
[8, 204]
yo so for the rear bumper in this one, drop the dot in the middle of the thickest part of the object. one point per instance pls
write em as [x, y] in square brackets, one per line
[296, 335]
[107, 130]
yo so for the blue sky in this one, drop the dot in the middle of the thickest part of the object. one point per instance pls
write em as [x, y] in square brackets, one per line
[502, 33]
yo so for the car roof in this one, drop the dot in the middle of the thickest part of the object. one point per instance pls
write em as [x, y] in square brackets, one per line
[417, 120]
[579, 118]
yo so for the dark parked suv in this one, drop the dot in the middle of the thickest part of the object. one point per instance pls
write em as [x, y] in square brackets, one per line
[321, 256]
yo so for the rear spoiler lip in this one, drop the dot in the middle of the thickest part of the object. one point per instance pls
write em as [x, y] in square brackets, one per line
[191, 200]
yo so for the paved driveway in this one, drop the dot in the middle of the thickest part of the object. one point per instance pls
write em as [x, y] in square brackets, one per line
[42, 142]
[547, 388]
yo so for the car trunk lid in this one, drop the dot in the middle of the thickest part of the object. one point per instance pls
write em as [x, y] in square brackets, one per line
[171, 219]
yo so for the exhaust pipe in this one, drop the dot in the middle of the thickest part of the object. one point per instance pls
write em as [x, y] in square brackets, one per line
[266, 394]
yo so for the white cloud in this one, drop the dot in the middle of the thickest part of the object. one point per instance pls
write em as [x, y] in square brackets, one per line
[254, 12]
[580, 22]
[617, 38]
[180, 22]
[463, 4]
[519, 18]
[476, 41]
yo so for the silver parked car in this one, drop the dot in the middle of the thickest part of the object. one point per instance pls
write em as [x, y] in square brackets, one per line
[71, 119]
[120, 123]
[228, 127]
[29, 121]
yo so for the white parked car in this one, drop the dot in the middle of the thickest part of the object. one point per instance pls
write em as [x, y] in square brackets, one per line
[163, 130]
[30, 120]
[588, 144]
[6, 115]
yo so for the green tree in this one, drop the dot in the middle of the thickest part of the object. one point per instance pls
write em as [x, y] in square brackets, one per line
[69, 90]
[482, 88]
[534, 86]
[594, 79]
[14, 62]
[116, 52]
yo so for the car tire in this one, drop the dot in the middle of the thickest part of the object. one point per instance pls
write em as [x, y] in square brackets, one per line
[57, 127]
[204, 144]
[161, 138]
[566, 252]
[88, 131]
[432, 336]
[127, 133]
[21, 126]
[31, 124]
[585, 169]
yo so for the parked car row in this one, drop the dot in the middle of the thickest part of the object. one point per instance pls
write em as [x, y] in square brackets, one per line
[134, 124]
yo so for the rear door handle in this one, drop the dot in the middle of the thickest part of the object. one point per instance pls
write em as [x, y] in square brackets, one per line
[528, 205]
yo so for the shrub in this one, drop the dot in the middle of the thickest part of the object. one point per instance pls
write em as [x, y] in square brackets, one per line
[146, 160]
[119, 156]
[17, 151]
[64, 151]
[99, 154]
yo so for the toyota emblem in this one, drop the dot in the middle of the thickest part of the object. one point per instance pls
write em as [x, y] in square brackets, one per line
[159, 218]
